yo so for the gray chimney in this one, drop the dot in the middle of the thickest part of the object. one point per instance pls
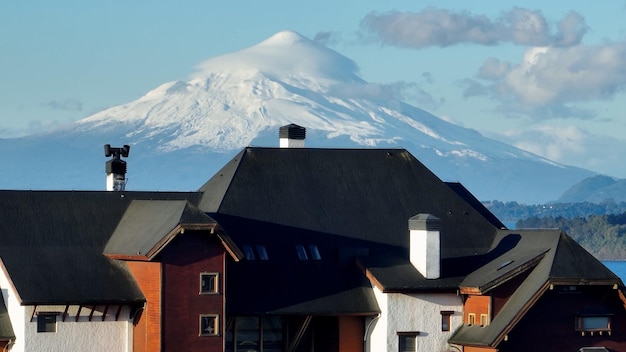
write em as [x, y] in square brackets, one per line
[292, 136]
[116, 167]
[425, 244]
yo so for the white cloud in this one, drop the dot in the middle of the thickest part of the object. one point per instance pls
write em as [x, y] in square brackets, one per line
[440, 27]
[553, 81]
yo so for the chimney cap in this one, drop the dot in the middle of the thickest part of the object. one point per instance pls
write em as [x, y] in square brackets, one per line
[426, 222]
[292, 131]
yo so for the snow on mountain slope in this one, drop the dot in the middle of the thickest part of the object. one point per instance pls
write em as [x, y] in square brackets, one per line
[241, 99]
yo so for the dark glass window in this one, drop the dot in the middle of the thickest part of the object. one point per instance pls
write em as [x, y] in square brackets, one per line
[209, 325]
[209, 283]
[46, 322]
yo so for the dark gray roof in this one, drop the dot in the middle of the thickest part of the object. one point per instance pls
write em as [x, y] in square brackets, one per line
[52, 243]
[148, 225]
[6, 329]
[367, 194]
[549, 257]
[350, 202]
[284, 284]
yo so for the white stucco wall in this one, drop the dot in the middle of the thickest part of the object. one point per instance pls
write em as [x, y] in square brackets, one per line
[71, 335]
[82, 335]
[414, 312]
[15, 310]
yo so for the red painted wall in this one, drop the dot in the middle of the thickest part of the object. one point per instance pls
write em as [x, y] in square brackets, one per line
[182, 261]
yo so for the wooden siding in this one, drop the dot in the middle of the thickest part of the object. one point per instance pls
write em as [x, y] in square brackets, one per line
[550, 324]
[183, 260]
[351, 332]
[147, 329]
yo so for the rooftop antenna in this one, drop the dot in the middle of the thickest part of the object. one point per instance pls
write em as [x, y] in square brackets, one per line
[116, 167]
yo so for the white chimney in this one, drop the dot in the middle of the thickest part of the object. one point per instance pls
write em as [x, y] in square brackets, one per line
[116, 167]
[292, 136]
[425, 245]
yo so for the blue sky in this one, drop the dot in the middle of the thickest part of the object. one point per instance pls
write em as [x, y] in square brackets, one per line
[549, 78]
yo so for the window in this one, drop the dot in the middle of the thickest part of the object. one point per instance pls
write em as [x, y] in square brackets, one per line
[265, 334]
[593, 324]
[262, 252]
[471, 318]
[209, 325]
[248, 252]
[445, 319]
[407, 341]
[301, 251]
[313, 252]
[46, 322]
[209, 283]
[593, 320]
[484, 320]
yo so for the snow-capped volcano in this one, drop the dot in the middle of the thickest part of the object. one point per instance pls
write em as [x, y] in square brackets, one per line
[242, 98]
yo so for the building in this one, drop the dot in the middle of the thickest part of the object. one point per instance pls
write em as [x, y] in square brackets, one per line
[296, 249]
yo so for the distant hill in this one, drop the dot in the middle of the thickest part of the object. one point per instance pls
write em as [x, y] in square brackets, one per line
[595, 189]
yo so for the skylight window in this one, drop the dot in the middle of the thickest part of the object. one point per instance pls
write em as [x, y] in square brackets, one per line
[504, 264]
[314, 252]
[308, 252]
[262, 251]
[248, 252]
[260, 254]
[301, 251]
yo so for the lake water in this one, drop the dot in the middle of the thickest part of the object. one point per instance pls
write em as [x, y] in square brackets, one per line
[618, 267]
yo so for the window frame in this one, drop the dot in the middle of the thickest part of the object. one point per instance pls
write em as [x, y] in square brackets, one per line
[580, 324]
[471, 318]
[446, 320]
[484, 319]
[216, 324]
[45, 323]
[216, 283]
[406, 336]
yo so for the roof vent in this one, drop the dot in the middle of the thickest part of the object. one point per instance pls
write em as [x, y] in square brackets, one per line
[116, 167]
[292, 136]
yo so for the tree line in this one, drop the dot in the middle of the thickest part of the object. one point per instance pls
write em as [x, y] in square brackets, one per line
[599, 228]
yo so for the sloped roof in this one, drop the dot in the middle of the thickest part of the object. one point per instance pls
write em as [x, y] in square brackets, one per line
[344, 200]
[550, 257]
[285, 284]
[147, 225]
[366, 194]
[52, 245]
